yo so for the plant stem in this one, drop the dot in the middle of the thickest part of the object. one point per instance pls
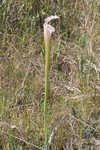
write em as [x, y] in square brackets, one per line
[47, 59]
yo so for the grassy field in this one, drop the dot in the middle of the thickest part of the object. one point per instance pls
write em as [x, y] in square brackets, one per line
[74, 77]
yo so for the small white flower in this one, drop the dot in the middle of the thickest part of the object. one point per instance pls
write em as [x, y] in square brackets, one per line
[48, 29]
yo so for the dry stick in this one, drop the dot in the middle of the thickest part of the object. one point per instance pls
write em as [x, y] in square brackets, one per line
[83, 122]
[54, 130]
[5, 124]
[20, 139]
[59, 123]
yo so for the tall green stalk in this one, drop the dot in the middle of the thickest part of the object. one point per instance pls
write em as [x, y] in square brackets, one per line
[47, 61]
[48, 30]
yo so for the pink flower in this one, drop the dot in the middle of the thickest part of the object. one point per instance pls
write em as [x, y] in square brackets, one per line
[48, 29]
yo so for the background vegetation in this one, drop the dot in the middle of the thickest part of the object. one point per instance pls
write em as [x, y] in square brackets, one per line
[74, 74]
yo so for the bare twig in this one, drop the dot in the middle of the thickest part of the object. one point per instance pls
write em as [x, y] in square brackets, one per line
[54, 130]
[31, 144]
[6, 124]
[83, 122]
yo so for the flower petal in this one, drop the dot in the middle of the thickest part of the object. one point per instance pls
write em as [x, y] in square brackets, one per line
[48, 19]
[48, 30]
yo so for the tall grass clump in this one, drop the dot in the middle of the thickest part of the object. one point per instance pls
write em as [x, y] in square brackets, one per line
[48, 31]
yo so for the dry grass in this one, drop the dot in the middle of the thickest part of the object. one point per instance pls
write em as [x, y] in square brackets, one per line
[74, 75]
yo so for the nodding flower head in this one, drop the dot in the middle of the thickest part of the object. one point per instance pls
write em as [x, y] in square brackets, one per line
[48, 29]
[48, 19]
